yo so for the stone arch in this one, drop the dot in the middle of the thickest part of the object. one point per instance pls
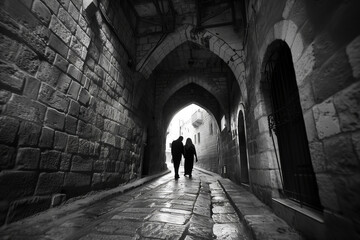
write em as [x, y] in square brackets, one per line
[203, 38]
[184, 81]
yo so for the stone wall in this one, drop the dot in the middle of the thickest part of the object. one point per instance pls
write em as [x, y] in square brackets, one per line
[325, 50]
[67, 120]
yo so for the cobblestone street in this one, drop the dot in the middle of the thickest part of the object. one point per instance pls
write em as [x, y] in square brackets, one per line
[194, 208]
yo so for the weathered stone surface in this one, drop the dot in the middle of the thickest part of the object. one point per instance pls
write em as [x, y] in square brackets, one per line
[61, 62]
[48, 73]
[4, 96]
[31, 88]
[74, 72]
[27, 207]
[67, 20]
[326, 121]
[74, 108]
[50, 160]
[28, 60]
[46, 138]
[60, 30]
[347, 104]
[77, 180]
[58, 45]
[70, 124]
[55, 119]
[60, 141]
[16, 184]
[74, 90]
[80, 164]
[21, 107]
[340, 155]
[161, 230]
[28, 158]
[65, 162]
[84, 147]
[57, 199]
[7, 155]
[318, 157]
[11, 78]
[53, 98]
[29, 134]
[84, 97]
[352, 51]
[49, 183]
[228, 231]
[8, 129]
[327, 191]
[53, 5]
[41, 11]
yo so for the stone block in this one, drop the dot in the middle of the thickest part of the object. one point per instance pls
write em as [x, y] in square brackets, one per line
[73, 10]
[263, 124]
[82, 36]
[27, 207]
[28, 60]
[58, 45]
[53, 5]
[74, 108]
[84, 97]
[4, 96]
[53, 98]
[74, 72]
[60, 140]
[60, 30]
[333, 76]
[305, 65]
[70, 124]
[77, 180]
[29, 134]
[49, 183]
[28, 158]
[64, 3]
[7, 156]
[50, 160]
[65, 162]
[57, 199]
[8, 129]
[84, 147]
[84, 130]
[63, 83]
[61, 62]
[67, 20]
[352, 51]
[17, 184]
[340, 155]
[41, 11]
[318, 158]
[31, 88]
[347, 105]
[46, 138]
[26, 109]
[48, 73]
[10, 78]
[80, 164]
[73, 144]
[8, 48]
[326, 121]
[49, 54]
[55, 119]
[75, 59]
[76, 46]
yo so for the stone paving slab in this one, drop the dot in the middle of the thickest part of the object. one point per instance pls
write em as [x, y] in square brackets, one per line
[260, 221]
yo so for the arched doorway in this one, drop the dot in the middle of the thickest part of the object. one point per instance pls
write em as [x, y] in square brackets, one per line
[286, 121]
[244, 174]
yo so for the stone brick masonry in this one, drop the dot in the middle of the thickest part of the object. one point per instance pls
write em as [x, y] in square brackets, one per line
[64, 114]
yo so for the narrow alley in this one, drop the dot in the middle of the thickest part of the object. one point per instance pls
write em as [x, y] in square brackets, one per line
[188, 208]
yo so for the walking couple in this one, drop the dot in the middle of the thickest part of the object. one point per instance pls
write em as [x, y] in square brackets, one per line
[178, 149]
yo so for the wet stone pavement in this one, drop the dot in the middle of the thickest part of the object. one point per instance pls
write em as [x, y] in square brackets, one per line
[166, 208]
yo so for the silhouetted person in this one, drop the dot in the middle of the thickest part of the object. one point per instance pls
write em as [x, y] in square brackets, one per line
[189, 153]
[177, 150]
